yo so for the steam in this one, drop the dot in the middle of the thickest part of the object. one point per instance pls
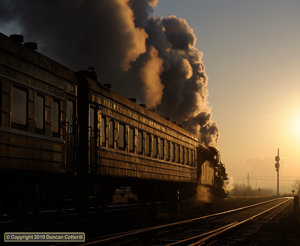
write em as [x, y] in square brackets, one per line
[204, 194]
[153, 59]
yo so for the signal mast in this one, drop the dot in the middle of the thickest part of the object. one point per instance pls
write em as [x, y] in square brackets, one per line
[277, 165]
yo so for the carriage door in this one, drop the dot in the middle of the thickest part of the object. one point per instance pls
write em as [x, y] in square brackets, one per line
[92, 139]
[71, 135]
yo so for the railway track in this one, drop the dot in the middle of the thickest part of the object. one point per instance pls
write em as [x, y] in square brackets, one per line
[225, 228]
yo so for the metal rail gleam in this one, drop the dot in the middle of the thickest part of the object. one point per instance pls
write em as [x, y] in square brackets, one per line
[131, 235]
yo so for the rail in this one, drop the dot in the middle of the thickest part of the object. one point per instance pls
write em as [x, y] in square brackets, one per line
[124, 236]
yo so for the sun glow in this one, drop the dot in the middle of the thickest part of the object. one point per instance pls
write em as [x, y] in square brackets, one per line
[295, 127]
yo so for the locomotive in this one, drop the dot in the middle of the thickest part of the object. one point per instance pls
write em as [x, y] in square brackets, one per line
[66, 138]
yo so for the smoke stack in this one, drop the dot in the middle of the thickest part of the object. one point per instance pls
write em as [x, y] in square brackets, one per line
[31, 45]
[143, 105]
[175, 122]
[132, 99]
[17, 37]
[152, 110]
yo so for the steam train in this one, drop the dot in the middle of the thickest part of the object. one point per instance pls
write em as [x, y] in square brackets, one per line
[65, 137]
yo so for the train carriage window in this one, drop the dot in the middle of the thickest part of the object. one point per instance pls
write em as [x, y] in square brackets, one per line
[140, 142]
[56, 119]
[121, 137]
[167, 150]
[190, 157]
[92, 122]
[183, 155]
[161, 149]
[177, 154]
[103, 131]
[186, 158]
[172, 152]
[70, 115]
[19, 108]
[148, 145]
[40, 114]
[111, 134]
[131, 140]
[155, 147]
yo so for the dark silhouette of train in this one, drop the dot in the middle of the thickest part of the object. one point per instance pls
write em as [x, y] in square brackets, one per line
[65, 137]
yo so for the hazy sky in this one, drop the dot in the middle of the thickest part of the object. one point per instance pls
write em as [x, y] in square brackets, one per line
[251, 52]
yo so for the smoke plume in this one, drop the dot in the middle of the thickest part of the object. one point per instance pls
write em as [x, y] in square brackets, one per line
[153, 59]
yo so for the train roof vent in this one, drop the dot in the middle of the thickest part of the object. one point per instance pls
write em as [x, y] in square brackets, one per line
[90, 73]
[132, 99]
[152, 110]
[31, 45]
[108, 86]
[175, 122]
[17, 37]
[168, 118]
[143, 105]
[180, 125]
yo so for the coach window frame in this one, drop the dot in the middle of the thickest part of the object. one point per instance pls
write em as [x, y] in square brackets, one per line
[131, 138]
[37, 116]
[173, 152]
[15, 124]
[103, 130]
[92, 120]
[111, 129]
[187, 156]
[177, 147]
[121, 136]
[56, 134]
[148, 145]
[167, 150]
[161, 148]
[71, 118]
[140, 142]
[155, 146]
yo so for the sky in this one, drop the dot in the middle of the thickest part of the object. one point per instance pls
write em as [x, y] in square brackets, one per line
[251, 52]
[251, 56]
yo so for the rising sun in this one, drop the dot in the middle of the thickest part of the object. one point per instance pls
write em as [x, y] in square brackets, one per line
[295, 127]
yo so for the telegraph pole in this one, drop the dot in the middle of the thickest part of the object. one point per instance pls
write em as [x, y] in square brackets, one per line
[277, 165]
[248, 182]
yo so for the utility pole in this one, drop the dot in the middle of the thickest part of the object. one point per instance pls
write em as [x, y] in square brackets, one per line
[277, 165]
[248, 182]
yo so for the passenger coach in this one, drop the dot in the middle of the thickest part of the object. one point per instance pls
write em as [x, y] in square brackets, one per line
[130, 145]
